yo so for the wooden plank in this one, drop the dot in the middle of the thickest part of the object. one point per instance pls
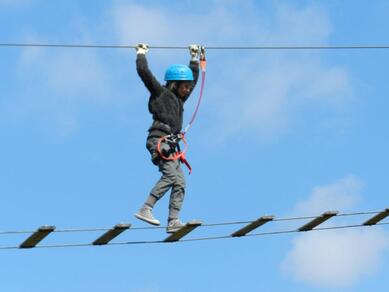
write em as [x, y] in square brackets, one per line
[37, 236]
[318, 220]
[111, 234]
[253, 225]
[190, 226]
[377, 218]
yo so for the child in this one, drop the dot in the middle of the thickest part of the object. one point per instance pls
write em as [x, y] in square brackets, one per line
[166, 106]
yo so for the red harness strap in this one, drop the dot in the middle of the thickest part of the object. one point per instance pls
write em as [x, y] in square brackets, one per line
[184, 161]
[177, 155]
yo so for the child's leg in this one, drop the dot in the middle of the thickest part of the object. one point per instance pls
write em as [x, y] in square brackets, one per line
[177, 193]
[159, 190]
[167, 180]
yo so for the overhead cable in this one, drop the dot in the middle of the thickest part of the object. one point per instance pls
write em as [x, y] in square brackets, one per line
[261, 47]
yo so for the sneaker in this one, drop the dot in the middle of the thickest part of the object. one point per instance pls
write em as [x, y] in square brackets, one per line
[174, 225]
[146, 215]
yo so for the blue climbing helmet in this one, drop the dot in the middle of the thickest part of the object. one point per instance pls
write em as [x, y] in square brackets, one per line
[178, 72]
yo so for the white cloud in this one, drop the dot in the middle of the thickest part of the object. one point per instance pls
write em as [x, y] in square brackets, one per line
[302, 25]
[253, 91]
[136, 23]
[69, 74]
[61, 81]
[335, 258]
[264, 97]
[162, 25]
[342, 195]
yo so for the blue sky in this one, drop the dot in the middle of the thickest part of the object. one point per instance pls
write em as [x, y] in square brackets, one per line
[279, 132]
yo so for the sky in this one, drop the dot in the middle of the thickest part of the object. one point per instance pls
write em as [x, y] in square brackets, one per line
[283, 133]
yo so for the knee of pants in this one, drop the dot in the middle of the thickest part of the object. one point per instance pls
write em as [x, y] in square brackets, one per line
[176, 199]
[170, 179]
[168, 168]
[180, 182]
[176, 204]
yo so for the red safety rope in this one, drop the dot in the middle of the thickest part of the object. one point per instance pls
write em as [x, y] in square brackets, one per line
[203, 65]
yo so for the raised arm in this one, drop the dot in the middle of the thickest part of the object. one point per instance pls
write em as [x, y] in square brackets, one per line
[194, 62]
[142, 67]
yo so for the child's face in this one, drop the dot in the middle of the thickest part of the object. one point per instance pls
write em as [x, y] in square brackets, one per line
[184, 89]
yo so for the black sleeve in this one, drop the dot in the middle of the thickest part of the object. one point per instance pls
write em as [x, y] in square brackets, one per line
[147, 77]
[194, 66]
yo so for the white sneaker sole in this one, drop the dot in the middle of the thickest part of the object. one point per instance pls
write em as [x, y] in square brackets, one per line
[173, 229]
[154, 222]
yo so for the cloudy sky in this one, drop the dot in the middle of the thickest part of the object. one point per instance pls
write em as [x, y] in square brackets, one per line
[288, 133]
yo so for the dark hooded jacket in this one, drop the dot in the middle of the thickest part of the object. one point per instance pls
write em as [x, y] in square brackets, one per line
[164, 104]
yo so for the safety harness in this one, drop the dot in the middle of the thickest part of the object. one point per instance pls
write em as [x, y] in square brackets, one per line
[173, 140]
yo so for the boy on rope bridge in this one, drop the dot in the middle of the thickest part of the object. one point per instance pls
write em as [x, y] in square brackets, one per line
[166, 104]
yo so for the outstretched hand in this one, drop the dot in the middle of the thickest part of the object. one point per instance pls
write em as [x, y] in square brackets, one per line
[194, 51]
[142, 48]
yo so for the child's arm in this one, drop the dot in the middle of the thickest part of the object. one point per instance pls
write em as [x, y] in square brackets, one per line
[194, 63]
[144, 72]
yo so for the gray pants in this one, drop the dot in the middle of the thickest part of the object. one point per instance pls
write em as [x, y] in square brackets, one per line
[172, 178]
